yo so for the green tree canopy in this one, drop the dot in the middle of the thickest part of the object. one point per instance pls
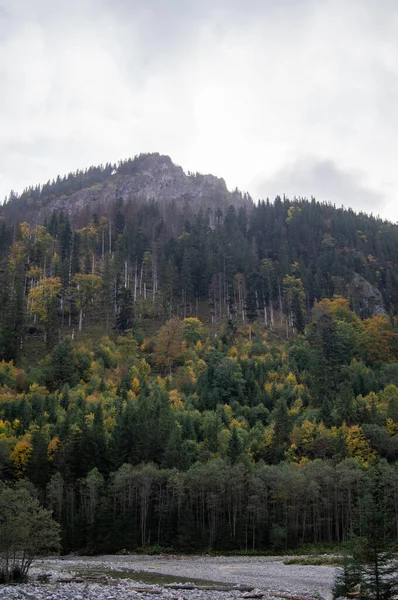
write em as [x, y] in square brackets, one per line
[26, 531]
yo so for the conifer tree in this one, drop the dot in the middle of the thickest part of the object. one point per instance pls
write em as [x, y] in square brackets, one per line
[380, 575]
[125, 317]
[371, 564]
[234, 449]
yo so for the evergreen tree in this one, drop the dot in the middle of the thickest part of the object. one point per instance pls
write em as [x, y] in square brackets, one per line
[379, 571]
[125, 317]
[63, 369]
[348, 577]
[234, 448]
[371, 565]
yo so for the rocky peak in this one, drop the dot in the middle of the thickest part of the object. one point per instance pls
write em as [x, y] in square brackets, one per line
[147, 177]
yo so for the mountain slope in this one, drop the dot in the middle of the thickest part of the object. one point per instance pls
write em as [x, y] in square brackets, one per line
[177, 241]
[179, 370]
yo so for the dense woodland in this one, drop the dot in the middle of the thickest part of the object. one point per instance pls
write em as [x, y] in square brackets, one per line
[220, 381]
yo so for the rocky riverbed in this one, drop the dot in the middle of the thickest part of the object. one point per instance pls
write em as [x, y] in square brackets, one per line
[166, 577]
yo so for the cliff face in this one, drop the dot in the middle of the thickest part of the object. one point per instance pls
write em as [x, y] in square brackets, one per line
[151, 178]
[366, 298]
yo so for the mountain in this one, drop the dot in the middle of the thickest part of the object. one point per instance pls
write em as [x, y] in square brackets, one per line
[180, 366]
[143, 179]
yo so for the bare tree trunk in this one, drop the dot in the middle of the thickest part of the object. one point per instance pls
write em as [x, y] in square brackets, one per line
[135, 281]
[257, 303]
[141, 276]
[271, 312]
[70, 260]
[154, 277]
[220, 294]
[280, 302]
[265, 311]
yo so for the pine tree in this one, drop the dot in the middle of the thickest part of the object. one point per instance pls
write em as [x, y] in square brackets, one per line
[234, 449]
[62, 363]
[371, 564]
[125, 318]
[380, 575]
[348, 577]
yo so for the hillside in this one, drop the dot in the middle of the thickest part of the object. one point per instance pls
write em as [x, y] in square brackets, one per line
[183, 245]
[220, 377]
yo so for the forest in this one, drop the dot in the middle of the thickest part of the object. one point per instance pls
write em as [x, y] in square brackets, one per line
[221, 379]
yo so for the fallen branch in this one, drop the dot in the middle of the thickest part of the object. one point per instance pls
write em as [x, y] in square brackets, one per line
[145, 590]
[180, 586]
[88, 579]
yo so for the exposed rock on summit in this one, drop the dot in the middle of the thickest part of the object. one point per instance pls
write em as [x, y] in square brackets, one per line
[146, 178]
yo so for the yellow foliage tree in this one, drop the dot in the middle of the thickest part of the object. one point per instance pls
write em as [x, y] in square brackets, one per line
[193, 331]
[357, 445]
[302, 440]
[43, 298]
[380, 340]
[391, 426]
[168, 344]
[5, 429]
[135, 385]
[175, 399]
[20, 456]
[8, 374]
[52, 447]
[291, 379]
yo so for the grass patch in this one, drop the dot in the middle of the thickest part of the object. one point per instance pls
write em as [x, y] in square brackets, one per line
[148, 577]
[316, 561]
[315, 551]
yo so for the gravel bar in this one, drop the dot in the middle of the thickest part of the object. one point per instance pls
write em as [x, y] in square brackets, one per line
[262, 573]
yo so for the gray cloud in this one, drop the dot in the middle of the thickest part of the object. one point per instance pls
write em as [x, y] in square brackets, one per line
[326, 182]
[237, 90]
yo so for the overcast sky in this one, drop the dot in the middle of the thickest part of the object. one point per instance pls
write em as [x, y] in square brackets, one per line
[277, 96]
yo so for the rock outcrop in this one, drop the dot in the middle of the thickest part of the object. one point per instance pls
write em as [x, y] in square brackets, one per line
[366, 298]
[151, 177]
